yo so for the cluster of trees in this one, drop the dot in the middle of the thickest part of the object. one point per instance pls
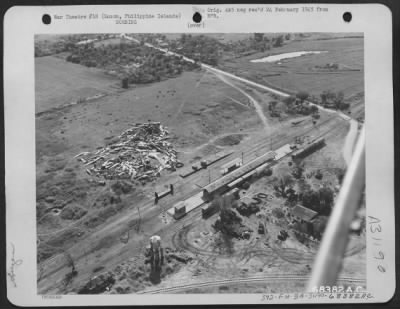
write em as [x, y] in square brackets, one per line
[258, 43]
[199, 48]
[333, 100]
[47, 48]
[160, 67]
[63, 44]
[137, 64]
[328, 66]
[296, 104]
[320, 200]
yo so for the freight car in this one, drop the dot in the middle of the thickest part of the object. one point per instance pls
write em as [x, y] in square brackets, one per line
[308, 149]
[220, 186]
[180, 210]
[231, 166]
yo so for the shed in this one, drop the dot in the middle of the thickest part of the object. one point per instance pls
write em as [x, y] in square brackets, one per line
[302, 213]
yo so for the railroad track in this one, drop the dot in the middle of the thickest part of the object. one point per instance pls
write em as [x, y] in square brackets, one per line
[265, 279]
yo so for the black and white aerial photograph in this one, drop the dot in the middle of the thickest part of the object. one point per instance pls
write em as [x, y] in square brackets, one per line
[201, 163]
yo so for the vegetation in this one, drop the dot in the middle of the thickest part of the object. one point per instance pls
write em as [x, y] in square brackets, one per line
[133, 63]
[200, 48]
[333, 100]
[298, 104]
[320, 200]
[64, 43]
[258, 43]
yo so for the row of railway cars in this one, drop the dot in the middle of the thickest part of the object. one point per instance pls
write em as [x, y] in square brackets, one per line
[235, 174]
[308, 149]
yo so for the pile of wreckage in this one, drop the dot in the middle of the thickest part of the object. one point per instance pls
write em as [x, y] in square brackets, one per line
[139, 153]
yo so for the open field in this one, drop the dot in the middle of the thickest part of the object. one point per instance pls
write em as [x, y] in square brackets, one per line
[193, 118]
[104, 225]
[59, 83]
[300, 73]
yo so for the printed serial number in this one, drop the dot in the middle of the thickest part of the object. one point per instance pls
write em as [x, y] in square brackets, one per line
[337, 289]
[51, 296]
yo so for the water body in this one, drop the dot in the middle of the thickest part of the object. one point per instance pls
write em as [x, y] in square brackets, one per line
[279, 57]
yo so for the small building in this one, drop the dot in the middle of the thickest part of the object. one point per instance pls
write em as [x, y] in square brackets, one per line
[179, 210]
[303, 219]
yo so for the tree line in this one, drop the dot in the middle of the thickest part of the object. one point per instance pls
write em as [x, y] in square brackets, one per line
[133, 63]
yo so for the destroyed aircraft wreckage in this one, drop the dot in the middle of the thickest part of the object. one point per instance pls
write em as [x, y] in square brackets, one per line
[139, 153]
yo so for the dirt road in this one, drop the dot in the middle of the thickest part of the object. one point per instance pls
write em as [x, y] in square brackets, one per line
[256, 105]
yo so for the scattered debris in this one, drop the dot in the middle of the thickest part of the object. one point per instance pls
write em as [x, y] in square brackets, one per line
[247, 209]
[229, 223]
[140, 153]
[98, 284]
[182, 258]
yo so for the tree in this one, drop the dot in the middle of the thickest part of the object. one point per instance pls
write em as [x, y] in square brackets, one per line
[289, 100]
[283, 185]
[314, 109]
[340, 174]
[267, 171]
[320, 201]
[183, 38]
[326, 200]
[318, 175]
[272, 105]
[291, 195]
[327, 97]
[298, 170]
[310, 199]
[278, 41]
[302, 95]
[258, 37]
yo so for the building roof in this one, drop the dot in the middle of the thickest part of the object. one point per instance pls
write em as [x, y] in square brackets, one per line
[304, 213]
[244, 169]
[232, 163]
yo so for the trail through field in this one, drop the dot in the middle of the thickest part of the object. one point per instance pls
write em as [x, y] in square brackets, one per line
[252, 100]
[350, 141]
[184, 101]
[216, 137]
[219, 73]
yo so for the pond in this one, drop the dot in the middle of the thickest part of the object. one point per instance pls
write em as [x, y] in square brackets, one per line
[279, 57]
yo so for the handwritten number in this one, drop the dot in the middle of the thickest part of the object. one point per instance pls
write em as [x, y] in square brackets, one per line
[375, 229]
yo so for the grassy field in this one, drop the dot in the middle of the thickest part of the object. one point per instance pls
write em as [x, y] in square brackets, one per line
[300, 74]
[193, 111]
[59, 83]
